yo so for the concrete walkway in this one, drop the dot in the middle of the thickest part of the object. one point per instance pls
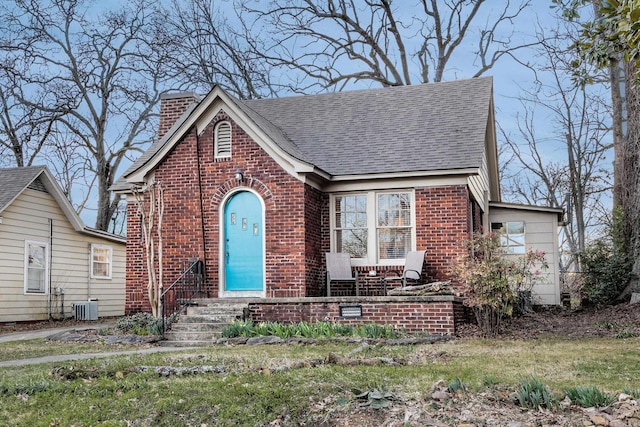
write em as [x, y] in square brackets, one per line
[43, 333]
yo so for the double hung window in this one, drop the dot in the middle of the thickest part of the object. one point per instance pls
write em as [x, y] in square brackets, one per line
[36, 267]
[101, 260]
[373, 227]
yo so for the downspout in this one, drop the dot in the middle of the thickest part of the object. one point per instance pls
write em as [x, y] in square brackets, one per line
[202, 229]
[485, 215]
[50, 267]
[89, 273]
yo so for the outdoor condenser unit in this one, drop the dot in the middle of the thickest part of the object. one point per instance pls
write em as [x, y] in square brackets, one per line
[85, 310]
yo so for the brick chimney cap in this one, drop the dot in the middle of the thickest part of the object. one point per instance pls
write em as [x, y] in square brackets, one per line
[178, 95]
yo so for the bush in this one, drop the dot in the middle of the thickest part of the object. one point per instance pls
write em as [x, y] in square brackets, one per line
[607, 272]
[492, 281]
[140, 324]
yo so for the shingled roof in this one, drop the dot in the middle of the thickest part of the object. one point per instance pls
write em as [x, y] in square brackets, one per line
[428, 127]
[420, 128]
[13, 181]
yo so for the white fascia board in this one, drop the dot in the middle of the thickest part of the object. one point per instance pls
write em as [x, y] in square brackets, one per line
[223, 103]
[54, 189]
[390, 182]
[201, 116]
[104, 235]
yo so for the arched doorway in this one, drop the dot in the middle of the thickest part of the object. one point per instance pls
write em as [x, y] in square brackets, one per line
[242, 246]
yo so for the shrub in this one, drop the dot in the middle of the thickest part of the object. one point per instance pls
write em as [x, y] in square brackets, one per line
[590, 396]
[140, 324]
[491, 280]
[607, 272]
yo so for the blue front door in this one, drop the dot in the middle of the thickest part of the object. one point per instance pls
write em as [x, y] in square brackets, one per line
[243, 247]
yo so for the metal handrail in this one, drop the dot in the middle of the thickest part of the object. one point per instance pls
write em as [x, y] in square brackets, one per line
[181, 285]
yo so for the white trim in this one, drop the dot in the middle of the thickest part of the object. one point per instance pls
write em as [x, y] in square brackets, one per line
[110, 262]
[27, 244]
[222, 292]
[373, 257]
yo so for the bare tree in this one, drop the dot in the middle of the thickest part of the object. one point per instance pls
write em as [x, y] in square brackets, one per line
[97, 74]
[24, 129]
[207, 49]
[574, 176]
[337, 42]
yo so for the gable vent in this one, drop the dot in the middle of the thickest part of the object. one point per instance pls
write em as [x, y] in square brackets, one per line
[223, 140]
[37, 185]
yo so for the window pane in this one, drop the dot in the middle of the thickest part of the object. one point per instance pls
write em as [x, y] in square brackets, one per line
[394, 243]
[353, 242]
[101, 262]
[36, 268]
[351, 225]
[100, 269]
[515, 227]
[36, 256]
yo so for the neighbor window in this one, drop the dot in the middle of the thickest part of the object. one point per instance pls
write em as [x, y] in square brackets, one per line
[511, 236]
[374, 227]
[222, 140]
[36, 267]
[101, 257]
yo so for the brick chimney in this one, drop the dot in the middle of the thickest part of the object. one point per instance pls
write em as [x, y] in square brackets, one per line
[172, 105]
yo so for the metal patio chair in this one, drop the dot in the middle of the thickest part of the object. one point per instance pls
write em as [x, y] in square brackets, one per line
[412, 272]
[339, 270]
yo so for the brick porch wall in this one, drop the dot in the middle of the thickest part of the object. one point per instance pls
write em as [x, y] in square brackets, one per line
[435, 315]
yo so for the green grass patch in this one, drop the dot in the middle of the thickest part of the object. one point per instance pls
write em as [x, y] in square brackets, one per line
[590, 396]
[262, 384]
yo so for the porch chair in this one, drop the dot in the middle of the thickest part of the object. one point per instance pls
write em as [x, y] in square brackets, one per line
[339, 270]
[412, 271]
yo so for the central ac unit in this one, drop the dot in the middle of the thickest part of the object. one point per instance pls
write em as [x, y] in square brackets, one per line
[85, 310]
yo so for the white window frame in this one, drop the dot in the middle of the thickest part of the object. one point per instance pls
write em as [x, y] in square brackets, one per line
[93, 261]
[373, 257]
[216, 143]
[45, 284]
[507, 248]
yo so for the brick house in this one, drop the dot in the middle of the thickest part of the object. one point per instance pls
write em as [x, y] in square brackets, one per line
[259, 190]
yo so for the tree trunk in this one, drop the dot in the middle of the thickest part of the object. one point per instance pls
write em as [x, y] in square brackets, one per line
[630, 179]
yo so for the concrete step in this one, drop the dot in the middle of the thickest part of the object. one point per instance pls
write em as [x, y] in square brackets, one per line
[215, 311]
[204, 318]
[193, 343]
[192, 336]
[204, 322]
[198, 326]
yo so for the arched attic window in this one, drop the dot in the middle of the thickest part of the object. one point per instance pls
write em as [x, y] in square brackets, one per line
[222, 140]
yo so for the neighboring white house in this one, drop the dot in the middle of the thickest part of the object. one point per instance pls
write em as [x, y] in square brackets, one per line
[49, 260]
[525, 227]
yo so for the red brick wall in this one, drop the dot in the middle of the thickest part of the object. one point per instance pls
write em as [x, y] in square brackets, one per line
[443, 218]
[297, 218]
[412, 314]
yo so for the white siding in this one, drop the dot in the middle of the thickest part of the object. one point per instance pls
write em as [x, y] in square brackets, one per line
[27, 218]
[478, 184]
[541, 233]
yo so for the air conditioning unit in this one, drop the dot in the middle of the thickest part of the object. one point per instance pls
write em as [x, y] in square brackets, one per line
[85, 310]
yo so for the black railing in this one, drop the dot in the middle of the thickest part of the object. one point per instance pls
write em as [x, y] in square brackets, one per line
[183, 290]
